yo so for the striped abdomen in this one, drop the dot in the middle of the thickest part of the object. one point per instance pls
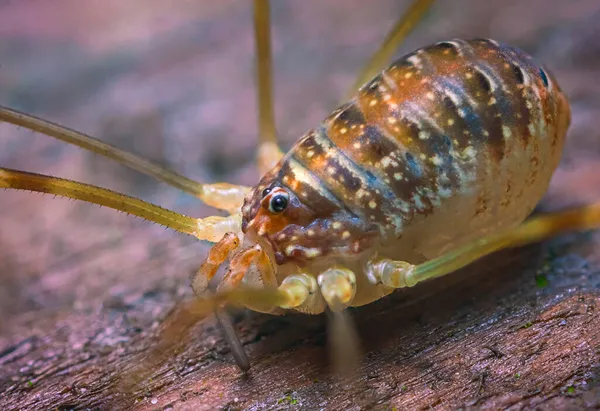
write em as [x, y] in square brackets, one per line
[449, 142]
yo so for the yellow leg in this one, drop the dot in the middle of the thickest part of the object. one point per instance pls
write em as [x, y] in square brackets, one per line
[400, 274]
[222, 196]
[268, 156]
[213, 228]
[268, 151]
[405, 24]
[209, 229]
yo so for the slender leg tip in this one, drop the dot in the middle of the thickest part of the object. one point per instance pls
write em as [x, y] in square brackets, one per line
[241, 359]
[244, 366]
[237, 349]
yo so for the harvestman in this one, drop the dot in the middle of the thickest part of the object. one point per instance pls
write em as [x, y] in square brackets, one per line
[322, 228]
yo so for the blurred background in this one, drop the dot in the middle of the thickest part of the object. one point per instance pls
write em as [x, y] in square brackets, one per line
[173, 81]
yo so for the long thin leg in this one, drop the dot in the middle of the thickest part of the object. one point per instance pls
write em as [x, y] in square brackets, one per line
[400, 274]
[338, 286]
[211, 229]
[268, 150]
[405, 24]
[223, 196]
[208, 229]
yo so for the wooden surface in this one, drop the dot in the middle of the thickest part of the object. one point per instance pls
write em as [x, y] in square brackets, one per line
[84, 290]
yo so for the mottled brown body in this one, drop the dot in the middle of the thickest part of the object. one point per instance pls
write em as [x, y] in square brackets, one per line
[449, 143]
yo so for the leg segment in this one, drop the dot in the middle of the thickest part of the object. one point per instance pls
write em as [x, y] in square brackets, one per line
[221, 195]
[268, 156]
[338, 286]
[200, 284]
[214, 228]
[400, 274]
[217, 255]
[268, 151]
[228, 330]
[405, 24]
[303, 295]
[210, 229]
[224, 196]
[395, 274]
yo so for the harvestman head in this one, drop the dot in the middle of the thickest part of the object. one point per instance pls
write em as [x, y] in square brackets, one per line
[257, 241]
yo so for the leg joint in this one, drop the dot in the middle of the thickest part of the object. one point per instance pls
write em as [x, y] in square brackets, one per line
[338, 287]
[395, 274]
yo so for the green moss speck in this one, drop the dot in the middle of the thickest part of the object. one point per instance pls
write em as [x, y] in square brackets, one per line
[287, 399]
[571, 389]
[541, 280]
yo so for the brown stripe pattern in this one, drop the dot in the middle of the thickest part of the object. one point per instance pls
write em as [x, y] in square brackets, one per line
[429, 127]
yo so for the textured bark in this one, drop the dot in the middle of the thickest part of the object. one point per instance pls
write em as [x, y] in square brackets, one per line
[85, 290]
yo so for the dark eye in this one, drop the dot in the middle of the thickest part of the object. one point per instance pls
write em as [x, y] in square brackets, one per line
[265, 192]
[278, 203]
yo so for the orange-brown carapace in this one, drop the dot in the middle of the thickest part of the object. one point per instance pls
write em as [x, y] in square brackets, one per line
[450, 143]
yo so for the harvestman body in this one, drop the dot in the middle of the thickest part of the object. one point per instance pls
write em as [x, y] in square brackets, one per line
[449, 144]
[434, 163]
